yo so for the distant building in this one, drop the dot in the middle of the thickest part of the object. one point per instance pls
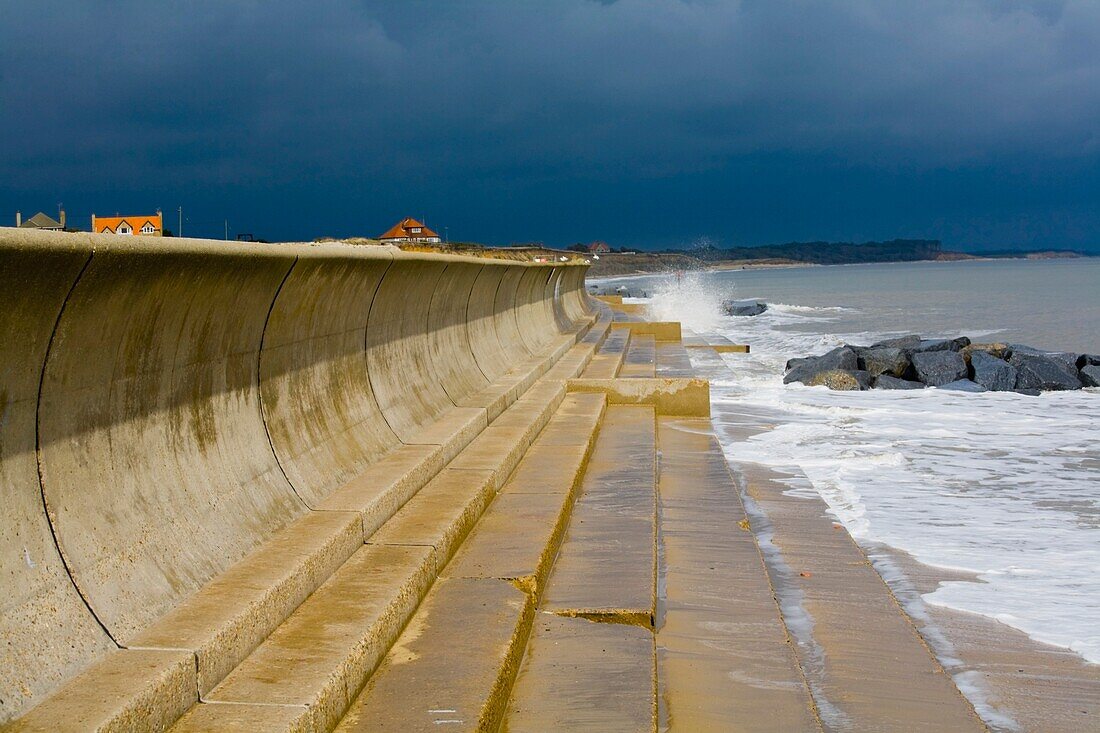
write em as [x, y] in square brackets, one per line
[410, 230]
[41, 221]
[599, 248]
[137, 226]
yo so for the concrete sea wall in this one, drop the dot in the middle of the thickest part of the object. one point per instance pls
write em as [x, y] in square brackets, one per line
[166, 406]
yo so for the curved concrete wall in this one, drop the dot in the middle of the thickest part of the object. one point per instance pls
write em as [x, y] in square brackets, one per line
[167, 405]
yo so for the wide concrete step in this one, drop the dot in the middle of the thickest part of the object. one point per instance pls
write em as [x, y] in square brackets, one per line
[584, 677]
[641, 357]
[454, 664]
[673, 360]
[723, 653]
[320, 665]
[226, 619]
[609, 358]
[607, 565]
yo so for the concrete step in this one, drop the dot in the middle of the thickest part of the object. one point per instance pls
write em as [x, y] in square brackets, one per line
[518, 537]
[598, 330]
[607, 565]
[128, 690]
[661, 330]
[723, 653]
[641, 357]
[713, 341]
[673, 360]
[584, 677]
[503, 391]
[229, 617]
[322, 654]
[453, 431]
[605, 364]
[454, 664]
[331, 666]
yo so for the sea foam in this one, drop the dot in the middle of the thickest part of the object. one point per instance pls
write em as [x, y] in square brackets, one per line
[1000, 485]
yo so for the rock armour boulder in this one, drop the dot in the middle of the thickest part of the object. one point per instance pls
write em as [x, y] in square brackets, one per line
[937, 368]
[1043, 371]
[884, 360]
[744, 307]
[992, 373]
[903, 342]
[910, 362]
[842, 358]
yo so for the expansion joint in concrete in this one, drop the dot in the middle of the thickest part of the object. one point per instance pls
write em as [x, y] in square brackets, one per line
[65, 562]
[260, 399]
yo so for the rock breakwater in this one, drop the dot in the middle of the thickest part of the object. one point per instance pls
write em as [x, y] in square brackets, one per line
[913, 362]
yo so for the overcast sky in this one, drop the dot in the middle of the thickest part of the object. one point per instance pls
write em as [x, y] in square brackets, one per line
[645, 123]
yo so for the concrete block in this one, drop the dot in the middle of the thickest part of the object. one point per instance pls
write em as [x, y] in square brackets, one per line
[676, 397]
[661, 330]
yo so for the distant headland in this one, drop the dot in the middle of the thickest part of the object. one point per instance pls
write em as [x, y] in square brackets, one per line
[800, 254]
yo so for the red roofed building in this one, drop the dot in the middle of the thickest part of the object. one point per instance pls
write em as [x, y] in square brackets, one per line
[137, 226]
[410, 230]
[599, 248]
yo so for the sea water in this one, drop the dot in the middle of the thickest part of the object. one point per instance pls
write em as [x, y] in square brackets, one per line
[1003, 486]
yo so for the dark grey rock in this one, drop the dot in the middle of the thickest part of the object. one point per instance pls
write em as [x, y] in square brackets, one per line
[902, 342]
[960, 343]
[1085, 360]
[1029, 392]
[1067, 358]
[884, 360]
[885, 381]
[841, 358]
[992, 373]
[744, 307]
[1042, 371]
[936, 368]
[792, 363]
[963, 385]
[1090, 375]
[928, 345]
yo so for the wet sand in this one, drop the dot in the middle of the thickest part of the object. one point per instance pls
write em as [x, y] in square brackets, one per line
[1013, 682]
[1041, 687]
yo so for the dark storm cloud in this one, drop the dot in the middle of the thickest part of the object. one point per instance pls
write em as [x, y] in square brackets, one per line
[638, 121]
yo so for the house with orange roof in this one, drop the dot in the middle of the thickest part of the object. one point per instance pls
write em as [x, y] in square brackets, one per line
[409, 230]
[137, 226]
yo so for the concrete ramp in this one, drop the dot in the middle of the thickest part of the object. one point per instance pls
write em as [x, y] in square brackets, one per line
[166, 406]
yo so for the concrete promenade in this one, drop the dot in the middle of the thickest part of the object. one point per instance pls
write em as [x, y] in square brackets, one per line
[327, 487]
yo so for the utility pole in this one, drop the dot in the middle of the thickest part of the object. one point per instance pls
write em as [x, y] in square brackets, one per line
[180, 233]
[227, 230]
